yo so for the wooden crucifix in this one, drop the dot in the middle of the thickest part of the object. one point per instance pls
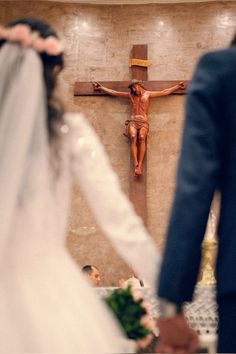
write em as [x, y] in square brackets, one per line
[138, 91]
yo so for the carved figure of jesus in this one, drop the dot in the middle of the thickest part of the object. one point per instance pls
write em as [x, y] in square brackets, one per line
[137, 127]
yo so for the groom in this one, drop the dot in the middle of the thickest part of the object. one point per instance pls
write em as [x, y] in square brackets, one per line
[207, 163]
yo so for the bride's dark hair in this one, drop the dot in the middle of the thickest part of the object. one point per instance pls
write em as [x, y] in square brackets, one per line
[54, 107]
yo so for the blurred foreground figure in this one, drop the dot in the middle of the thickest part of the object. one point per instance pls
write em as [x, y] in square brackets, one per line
[46, 306]
[207, 163]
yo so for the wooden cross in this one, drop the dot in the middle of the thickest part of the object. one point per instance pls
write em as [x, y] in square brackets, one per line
[139, 64]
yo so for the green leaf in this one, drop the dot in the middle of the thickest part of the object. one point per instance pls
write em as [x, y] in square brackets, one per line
[128, 312]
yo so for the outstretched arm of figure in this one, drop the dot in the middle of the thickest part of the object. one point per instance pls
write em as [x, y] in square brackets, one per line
[179, 86]
[113, 211]
[98, 86]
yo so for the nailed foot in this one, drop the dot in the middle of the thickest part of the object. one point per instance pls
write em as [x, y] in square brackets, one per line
[138, 171]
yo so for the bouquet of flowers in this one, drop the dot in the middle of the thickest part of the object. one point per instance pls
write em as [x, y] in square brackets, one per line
[132, 312]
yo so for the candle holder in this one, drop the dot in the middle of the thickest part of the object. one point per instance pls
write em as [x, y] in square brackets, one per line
[207, 276]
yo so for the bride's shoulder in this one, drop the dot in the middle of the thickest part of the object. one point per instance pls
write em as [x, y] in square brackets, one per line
[76, 127]
[75, 120]
[76, 124]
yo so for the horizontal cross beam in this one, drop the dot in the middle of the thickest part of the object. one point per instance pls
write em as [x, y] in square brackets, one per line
[87, 89]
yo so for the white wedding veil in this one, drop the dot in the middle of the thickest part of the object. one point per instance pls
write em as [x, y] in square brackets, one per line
[46, 306]
[22, 107]
[43, 297]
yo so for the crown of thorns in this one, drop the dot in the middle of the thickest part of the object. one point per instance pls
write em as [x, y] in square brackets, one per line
[135, 81]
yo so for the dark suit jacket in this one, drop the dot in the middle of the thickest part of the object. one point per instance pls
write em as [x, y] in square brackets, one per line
[207, 162]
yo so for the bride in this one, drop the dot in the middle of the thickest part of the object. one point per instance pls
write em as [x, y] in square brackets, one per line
[45, 303]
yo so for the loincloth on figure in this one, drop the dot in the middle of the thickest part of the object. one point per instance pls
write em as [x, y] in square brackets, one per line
[137, 122]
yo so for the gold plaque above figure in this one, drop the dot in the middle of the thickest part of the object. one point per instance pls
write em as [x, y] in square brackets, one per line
[139, 62]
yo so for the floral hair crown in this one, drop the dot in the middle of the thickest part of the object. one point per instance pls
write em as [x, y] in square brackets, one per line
[23, 35]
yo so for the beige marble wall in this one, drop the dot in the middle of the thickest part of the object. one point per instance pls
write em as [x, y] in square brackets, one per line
[98, 43]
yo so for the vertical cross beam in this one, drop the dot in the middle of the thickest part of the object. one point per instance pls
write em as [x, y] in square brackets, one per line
[138, 185]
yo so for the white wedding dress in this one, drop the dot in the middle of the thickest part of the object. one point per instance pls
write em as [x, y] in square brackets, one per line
[46, 306]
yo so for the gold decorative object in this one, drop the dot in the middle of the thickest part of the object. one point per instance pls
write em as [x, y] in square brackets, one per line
[207, 273]
[139, 62]
[209, 243]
